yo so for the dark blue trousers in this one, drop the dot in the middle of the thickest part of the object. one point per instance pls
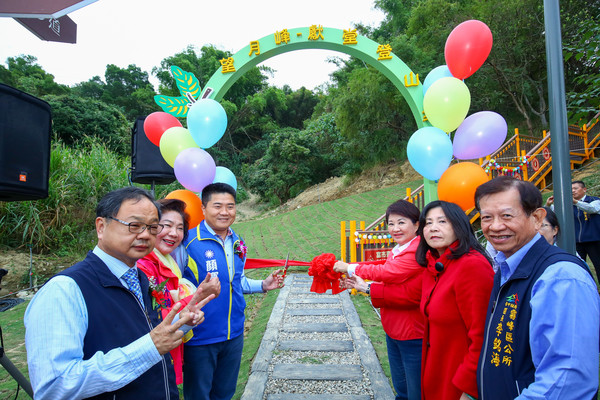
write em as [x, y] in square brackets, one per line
[210, 371]
[405, 367]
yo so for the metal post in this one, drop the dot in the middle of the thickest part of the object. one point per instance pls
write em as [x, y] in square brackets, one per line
[561, 172]
[15, 373]
[430, 190]
[30, 266]
[152, 189]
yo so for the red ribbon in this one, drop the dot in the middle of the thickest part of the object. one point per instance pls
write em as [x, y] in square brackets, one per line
[321, 269]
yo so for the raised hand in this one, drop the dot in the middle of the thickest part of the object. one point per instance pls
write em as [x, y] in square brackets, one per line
[273, 281]
[210, 286]
[359, 283]
[340, 267]
[166, 336]
[194, 307]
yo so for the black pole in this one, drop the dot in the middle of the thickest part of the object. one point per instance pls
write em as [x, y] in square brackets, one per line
[15, 373]
[561, 170]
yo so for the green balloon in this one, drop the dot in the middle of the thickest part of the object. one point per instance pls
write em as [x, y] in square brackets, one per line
[446, 103]
[173, 142]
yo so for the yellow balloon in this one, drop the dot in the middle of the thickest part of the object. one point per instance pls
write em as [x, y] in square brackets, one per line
[173, 142]
[446, 103]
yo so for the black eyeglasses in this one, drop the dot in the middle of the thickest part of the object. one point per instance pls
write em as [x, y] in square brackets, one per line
[138, 227]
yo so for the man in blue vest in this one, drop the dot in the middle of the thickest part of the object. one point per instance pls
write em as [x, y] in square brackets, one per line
[586, 210]
[91, 331]
[542, 328]
[212, 356]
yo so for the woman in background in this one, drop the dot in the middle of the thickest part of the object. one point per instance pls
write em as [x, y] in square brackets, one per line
[456, 289]
[167, 287]
[550, 229]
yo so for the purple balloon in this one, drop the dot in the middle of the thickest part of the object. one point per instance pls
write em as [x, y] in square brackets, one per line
[194, 169]
[479, 135]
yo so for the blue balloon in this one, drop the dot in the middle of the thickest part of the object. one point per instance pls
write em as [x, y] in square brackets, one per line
[224, 175]
[437, 73]
[207, 121]
[429, 152]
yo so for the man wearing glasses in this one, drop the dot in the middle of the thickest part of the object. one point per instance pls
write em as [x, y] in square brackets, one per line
[92, 330]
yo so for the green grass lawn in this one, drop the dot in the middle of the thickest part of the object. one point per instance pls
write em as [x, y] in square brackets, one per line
[13, 334]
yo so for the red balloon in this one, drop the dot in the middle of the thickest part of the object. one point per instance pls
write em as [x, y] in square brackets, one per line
[467, 48]
[157, 123]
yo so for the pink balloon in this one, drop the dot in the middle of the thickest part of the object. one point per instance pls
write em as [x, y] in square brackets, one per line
[467, 48]
[194, 169]
[479, 135]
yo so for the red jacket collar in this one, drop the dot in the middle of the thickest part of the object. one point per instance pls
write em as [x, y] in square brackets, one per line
[431, 260]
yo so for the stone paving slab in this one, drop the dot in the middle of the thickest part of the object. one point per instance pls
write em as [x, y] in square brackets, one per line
[316, 345]
[315, 327]
[317, 372]
[306, 289]
[264, 371]
[327, 396]
[327, 300]
[315, 311]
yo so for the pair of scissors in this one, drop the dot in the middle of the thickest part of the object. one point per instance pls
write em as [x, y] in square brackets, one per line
[286, 266]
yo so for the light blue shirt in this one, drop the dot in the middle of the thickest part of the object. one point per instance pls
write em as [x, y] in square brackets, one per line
[248, 285]
[563, 331]
[56, 322]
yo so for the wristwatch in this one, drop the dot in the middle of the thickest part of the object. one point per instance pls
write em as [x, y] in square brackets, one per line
[368, 291]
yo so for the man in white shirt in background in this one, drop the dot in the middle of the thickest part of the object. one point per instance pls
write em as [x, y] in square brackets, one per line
[586, 210]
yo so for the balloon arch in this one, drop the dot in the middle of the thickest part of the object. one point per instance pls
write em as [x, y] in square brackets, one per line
[348, 41]
[443, 97]
[316, 37]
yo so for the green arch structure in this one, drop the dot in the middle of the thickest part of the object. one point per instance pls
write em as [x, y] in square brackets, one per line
[379, 56]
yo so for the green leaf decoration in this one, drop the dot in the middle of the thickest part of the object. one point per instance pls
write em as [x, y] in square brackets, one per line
[176, 106]
[186, 82]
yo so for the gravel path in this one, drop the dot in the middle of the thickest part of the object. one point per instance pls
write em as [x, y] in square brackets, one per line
[315, 348]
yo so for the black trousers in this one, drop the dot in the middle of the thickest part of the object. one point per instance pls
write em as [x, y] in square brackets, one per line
[592, 250]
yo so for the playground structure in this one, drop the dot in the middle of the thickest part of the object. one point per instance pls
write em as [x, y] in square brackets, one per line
[524, 157]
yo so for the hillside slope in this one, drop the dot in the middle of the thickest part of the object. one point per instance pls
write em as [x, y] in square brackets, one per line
[306, 226]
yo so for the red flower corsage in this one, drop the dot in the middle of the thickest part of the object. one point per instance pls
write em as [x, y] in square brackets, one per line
[239, 248]
[158, 292]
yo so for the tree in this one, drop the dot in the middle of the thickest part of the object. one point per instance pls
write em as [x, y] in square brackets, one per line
[25, 74]
[75, 119]
[203, 66]
[293, 161]
[582, 60]
[129, 89]
[92, 89]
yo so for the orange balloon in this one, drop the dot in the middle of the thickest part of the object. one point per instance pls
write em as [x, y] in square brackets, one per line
[459, 182]
[193, 205]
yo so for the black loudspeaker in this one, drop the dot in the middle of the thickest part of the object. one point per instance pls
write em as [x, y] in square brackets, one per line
[25, 131]
[147, 164]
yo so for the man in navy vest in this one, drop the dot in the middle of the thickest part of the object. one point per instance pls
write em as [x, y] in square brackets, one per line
[212, 356]
[91, 331]
[587, 223]
[542, 328]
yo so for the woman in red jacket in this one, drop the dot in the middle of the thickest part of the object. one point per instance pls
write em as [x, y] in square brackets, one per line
[164, 275]
[403, 324]
[456, 289]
